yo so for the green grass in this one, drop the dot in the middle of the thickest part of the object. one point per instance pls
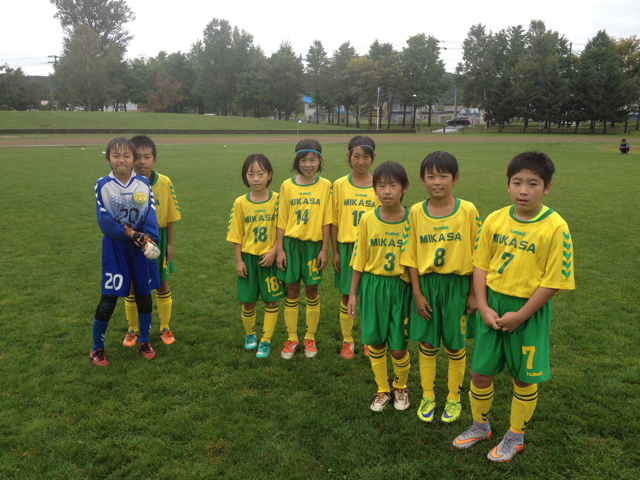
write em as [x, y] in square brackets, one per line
[71, 120]
[205, 408]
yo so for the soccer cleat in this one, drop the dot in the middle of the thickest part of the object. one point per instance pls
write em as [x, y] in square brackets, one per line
[167, 337]
[130, 339]
[310, 349]
[401, 398]
[289, 349]
[347, 350]
[451, 411]
[97, 357]
[146, 351]
[264, 349]
[426, 410]
[250, 342]
[366, 350]
[470, 437]
[381, 400]
[505, 450]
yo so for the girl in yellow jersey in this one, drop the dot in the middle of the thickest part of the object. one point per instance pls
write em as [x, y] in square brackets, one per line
[353, 196]
[252, 230]
[304, 219]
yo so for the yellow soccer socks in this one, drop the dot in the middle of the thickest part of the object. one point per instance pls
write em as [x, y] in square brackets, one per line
[313, 317]
[427, 364]
[131, 311]
[480, 400]
[523, 405]
[378, 360]
[401, 370]
[457, 365]
[164, 303]
[270, 319]
[249, 321]
[291, 318]
[346, 323]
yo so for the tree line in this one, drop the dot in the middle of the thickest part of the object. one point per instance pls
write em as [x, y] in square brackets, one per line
[531, 74]
[535, 74]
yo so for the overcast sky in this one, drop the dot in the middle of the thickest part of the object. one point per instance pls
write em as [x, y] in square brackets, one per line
[29, 33]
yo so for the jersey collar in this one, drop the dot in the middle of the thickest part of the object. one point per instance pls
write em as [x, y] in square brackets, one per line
[455, 209]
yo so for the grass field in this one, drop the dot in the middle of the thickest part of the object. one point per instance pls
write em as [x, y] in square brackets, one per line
[46, 120]
[205, 408]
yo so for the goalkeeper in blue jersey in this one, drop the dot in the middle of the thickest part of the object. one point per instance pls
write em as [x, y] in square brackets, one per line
[127, 217]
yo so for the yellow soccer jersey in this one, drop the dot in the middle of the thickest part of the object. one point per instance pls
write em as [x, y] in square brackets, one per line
[167, 207]
[378, 246]
[253, 225]
[442, 244]
[521, 256]
[349, 204]
[304, 209]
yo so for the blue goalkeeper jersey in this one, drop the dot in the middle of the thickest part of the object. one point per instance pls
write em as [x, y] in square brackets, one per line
[117, 204]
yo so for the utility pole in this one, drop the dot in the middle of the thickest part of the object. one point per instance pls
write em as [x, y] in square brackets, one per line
[378, 119]
[55, 60]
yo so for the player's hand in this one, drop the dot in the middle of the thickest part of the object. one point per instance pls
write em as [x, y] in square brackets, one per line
[169, 252]
[138, 238]
[336, 262]
[351, 306]
[281, 260]
[422, 307]
[509, 321]
[472, 303]
[241, 269]
[323, 259]
[268, 258]
[490, 318]
[150, 249]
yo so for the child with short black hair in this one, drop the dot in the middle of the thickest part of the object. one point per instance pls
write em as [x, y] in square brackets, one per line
[252, 230]
[385, 293]
[167, 212]
[624, 147]
[439, 256]
[126, 213]
[304, 218]
[352, 196]
[524, 255]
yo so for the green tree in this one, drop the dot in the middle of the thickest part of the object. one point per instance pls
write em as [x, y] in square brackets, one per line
[316, 68]
[364, 81]
[107, 17]
[423, 70]
[284, 83]
[610, 90]
[82, 77]
[250, 96]
[224, 55]
[629, 55]
[387, 62]
[164, 97]
[17, 92]
[344, 83]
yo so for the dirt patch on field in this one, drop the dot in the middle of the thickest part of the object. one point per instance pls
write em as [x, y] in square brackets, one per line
[80, 141]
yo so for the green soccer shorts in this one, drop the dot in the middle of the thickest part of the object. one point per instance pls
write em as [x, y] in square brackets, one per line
[260, 281]
[447, 296]
[525, 350]
[384, 310]
[302, 258]
[164, 267]
[343, 279]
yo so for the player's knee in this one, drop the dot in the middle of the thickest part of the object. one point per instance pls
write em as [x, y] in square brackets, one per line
[106, 307]
[144, 303]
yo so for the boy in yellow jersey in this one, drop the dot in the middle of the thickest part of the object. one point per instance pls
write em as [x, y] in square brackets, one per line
[524, 255]
[385, 294]
[167, 211]
[352, 196]
[439, 256]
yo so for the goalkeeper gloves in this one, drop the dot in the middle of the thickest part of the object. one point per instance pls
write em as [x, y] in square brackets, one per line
[149, 248]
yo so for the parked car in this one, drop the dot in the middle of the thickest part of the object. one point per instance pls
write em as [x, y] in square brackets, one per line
[459, 121]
